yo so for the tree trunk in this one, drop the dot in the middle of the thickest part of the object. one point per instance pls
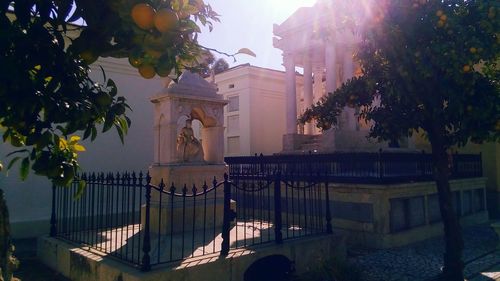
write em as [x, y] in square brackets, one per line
[7, 262]
[453, 265]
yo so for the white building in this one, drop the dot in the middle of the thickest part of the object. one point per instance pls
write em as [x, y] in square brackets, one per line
[255, 116]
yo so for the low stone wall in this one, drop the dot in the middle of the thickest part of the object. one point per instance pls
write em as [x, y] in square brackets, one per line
[385, 216]
[82, 265]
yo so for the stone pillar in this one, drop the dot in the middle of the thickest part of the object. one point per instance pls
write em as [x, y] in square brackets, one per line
[318, 89]
[348, 73]
[213, 144]
[308, 91]
[331, 66]
[291, 95]
[318, 83]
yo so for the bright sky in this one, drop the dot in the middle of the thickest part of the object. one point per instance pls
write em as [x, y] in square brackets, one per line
[249, 24]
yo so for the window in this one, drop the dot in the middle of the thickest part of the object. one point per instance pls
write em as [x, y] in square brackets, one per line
[234, 104]
[231, 86]
[233, 124]
[233, 145]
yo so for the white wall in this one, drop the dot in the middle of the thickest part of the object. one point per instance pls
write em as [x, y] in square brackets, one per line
[261, 94]
[29, 202]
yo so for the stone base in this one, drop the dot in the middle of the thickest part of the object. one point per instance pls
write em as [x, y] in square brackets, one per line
[496, 228]
[493, 200]
[210, 218]
[187, 174]
[292, 142]
[82, 265]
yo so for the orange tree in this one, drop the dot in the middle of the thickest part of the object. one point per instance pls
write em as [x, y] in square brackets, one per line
[46, 94]
[46, 47]
[431, 67]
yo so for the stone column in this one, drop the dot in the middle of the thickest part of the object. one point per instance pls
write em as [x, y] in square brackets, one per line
[331, 66]
[291, 95]
[318, 83]
[348, 73]
[308, 91]
[213, 144]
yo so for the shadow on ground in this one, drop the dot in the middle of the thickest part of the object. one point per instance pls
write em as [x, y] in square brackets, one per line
[31, 269]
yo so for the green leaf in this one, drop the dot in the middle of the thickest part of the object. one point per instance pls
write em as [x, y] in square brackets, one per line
[120, 133]
[74, 139]
[94, 134]
[17, 151]
[25, 168]
[81, 189]
[78, 148]
[12, 162]
[108, 123]
[246, 51]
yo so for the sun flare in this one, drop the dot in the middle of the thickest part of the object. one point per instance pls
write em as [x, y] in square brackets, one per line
[286, 7]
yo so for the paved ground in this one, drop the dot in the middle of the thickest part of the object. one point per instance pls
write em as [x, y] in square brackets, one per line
[423, 261]
[417, 262]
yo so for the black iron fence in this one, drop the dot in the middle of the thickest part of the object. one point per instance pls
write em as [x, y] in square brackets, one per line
[127, 217]
[381, 167]
[267, 199]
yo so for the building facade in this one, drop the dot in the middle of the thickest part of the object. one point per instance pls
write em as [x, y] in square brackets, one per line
[255, 115]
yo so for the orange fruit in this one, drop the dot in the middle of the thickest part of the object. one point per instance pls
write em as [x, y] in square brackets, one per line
[439, 13]
[466, 68]
[147, 71]
[473, 50]
[143, 15]
[88, 57]
[440, 23]
[443, 17]
[134, 61]
[153, 53]
[165, 20]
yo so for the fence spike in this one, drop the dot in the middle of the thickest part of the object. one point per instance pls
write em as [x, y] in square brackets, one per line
[205, 187]
[140, 178]
[184, 190]
[162, 185]
[214, 181]
[134, 178]
[194, 190]
[172, 188]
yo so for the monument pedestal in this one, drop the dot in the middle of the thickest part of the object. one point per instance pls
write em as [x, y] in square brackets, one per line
[177, 214]
[187, 174]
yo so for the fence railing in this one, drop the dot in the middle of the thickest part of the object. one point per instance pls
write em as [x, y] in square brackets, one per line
[359, 167]
[127, 217]
[267, 199]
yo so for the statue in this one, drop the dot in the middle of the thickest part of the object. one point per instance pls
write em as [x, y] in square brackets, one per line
[189, 148]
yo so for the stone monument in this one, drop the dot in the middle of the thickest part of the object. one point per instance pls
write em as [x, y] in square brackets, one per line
[179, 157]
